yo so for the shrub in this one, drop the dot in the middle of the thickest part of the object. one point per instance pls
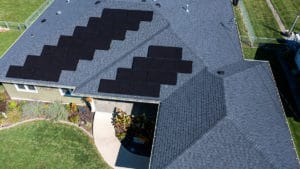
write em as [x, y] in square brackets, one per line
[1, 119]
[2, 97]
[121, 123]
[13, 113]
[12, 105]
[56, 111]
[73, 107]
[2, 106]
[13, 116]
[33, 110]
[88, 125]
[74, 117]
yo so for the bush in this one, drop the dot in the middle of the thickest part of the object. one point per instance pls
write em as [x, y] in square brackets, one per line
[56, 111]
[12, 105]
[2, 97]
[13, 117]
[2, 106]
[33, 110]
[74, 117]
[1, 119]
[13, 112]
[121, 123]
[88, 125]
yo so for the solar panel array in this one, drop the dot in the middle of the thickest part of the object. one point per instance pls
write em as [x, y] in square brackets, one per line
[147, 73]
[97, 35]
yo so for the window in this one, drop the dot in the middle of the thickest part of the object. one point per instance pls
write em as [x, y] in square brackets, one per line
[30, 87]
[65, 92]
[21, 87]
[26, 88]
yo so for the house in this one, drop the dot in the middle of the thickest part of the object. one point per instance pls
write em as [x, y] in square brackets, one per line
[216, 110]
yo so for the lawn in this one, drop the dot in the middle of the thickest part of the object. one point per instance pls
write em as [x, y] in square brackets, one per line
[46, 144]
[262, 20]
[240, 23]
[8, 38]
[18, 10]
[15, 11]
[248, 52]
[288, 9]
[295, 129]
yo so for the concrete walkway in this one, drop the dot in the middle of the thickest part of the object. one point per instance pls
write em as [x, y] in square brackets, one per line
[110, 148]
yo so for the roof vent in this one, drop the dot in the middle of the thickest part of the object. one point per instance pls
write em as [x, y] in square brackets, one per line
[220, 72]
[58, 12]
[32, 35]
[158, 5]
[67, 1]
[97, 2]
[43, 20]
[187, 9]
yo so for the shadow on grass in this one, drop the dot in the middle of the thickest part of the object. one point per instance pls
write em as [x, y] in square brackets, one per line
[275, 54]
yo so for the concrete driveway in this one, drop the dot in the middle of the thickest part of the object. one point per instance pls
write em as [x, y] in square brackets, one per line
[110, 147]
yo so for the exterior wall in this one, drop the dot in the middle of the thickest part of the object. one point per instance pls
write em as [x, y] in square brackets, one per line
[44, 94]
[110, 106]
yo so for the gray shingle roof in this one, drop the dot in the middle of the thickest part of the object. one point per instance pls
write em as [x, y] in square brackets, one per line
[206, 120]
[245, 122]
[234, 151]
[202, 105]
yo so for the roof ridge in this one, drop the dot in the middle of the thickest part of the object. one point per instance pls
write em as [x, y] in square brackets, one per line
[215, 76]
[195, 141]
[238, 69]
[255, 146]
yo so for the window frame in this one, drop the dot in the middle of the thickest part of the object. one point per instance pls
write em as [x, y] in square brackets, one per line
[62, 93]
[26, 88]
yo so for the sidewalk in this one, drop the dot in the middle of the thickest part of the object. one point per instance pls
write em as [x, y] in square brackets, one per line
[110, 147]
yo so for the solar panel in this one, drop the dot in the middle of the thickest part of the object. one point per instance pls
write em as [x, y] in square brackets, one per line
[140, 63]
[129, 88]
[161, 77]
[165, 52]
[130, 75]
[98, 34]
[147, 76]
[160, 67]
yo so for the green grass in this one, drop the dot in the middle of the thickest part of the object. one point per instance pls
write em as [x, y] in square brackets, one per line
[7, 39]
[241, 26]
[249, 53]
[295, 130]
[45, 144]
[288, 9]
[1, 88]
[262, 20]
[18, 10]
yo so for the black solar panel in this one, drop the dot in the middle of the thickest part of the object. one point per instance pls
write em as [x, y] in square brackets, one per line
[160, 67]
[147, 76]
[98, 34]
[140, 63]
[174, 53]
[129, 88]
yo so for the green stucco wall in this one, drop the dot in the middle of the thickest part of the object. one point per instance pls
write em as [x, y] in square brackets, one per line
[45, 94]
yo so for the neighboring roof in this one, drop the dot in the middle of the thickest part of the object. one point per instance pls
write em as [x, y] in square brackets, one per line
[222, 112]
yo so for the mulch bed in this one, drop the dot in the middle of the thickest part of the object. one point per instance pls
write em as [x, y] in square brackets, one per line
[86, 116]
